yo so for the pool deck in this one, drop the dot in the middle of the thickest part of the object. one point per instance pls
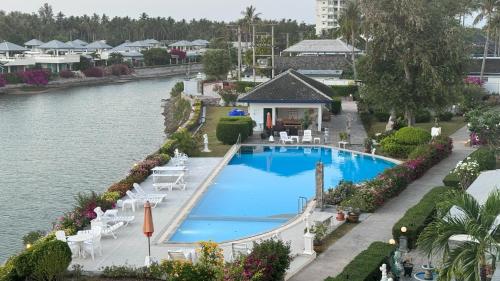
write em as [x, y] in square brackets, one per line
[131, 245]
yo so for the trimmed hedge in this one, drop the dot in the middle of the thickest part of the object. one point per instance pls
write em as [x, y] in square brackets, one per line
[246, 119]
[484, 156]
[423, 116]
[365, 266]
[445, 116]
[419, 216]
[412, 136]
[336, 105]
[229, 128]
[382, 116]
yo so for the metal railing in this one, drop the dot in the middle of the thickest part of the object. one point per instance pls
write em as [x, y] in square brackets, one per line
[301, 204]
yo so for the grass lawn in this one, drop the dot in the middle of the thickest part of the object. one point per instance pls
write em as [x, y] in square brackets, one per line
[448, 128]
[334, 236]
[214, 113]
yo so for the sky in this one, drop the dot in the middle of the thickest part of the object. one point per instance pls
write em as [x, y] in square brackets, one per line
[300, 10]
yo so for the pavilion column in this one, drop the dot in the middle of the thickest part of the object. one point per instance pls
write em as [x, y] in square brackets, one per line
[320, 117]
[274, 115]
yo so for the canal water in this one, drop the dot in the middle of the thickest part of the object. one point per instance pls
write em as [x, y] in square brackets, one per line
[56, 144]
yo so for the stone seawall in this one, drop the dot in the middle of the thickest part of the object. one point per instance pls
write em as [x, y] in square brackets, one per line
[139, 73]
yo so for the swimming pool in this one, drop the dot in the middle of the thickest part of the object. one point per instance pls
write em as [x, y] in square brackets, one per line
[260, 187]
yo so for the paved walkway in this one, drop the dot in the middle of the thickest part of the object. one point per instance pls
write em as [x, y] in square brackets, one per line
[339, 122]
[378, 226]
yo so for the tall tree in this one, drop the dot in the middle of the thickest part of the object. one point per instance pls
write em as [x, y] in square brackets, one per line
[417, 55]
[478, 229]
[486, 10]
[250, 16]
[216, 63]
[349, 27]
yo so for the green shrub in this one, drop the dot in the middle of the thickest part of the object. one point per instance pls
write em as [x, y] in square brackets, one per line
[243, 86]
[50, 259]
[417, 217]
[382, 116]
[336, 105]
[445, 116]
[412, 136]
[185, 142]
[451, 180]
[32, 236]
[228, 131]
[169, 147]
[365, 266]
[423, 116]
[345, 91]
[250, 123]
[273, 258]
[23, 264]
[393, 148]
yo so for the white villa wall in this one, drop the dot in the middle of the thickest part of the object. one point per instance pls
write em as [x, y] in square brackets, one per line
[256, 111]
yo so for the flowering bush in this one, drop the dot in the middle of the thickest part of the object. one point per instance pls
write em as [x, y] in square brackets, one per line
[120, 69]
[473, 80]
[94, 72]
[66, 73]
[180, 54]
[467, 171]
[374, 193]
[35, 77]
[485, 127]
[3, 82]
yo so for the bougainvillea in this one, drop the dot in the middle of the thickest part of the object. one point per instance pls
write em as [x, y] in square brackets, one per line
[180, 54]
[94, 72]
[474, 80]
[3, 82]
[35, 76]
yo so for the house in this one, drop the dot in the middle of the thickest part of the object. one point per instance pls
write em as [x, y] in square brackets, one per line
[12, 58]
[333, 47]
[97, 47]
[56, 56]
[182, 45]
[491, 77]
[33, 44]
[289, 98]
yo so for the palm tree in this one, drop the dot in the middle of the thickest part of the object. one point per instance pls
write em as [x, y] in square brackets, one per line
[486, 10]
[480, 234]
[250, 17]
[349, 27]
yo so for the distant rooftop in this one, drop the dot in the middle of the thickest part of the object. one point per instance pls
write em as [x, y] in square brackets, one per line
[151, 41]
[76, 45]
[200, 42]
[11, 47]
[33, 43]
[139, 44]
[55, 45]
[335, 46]
[98, 45]
[80, 42]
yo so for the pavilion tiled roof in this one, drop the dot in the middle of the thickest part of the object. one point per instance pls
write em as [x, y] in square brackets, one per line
[55, 44]
[283, 63]
[33, 42]
[98, 45]
[11, 47]
[321, 46]
[289, 87]
[491, 66]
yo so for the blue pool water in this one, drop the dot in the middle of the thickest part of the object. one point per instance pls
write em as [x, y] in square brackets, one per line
[260, 187]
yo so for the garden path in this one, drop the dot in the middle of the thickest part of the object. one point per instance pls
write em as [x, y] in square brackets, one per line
[339, 122]
[378, 226]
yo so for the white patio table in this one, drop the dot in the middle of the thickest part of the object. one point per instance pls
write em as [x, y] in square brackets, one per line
[79, 239]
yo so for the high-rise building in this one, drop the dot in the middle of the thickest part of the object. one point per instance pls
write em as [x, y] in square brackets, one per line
[327, 14]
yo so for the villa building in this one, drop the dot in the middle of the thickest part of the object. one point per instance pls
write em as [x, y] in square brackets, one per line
[288, 98]
[491, 77]
[12, 58]
[327, 15]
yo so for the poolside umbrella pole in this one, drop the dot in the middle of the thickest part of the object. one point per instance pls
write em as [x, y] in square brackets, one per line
[148, 229]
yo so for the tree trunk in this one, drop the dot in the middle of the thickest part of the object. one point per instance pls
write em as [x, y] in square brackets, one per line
[408, 112]
[485, 54]
[353, 57]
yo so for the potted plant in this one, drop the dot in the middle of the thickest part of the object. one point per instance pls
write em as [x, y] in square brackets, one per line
[340, 214]
[368, 145]
[343, 136]
[353, 215]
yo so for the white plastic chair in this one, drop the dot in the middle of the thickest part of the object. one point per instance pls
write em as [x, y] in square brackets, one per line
[177, 256]
[140, 191]
[307, 136]
[284, 138]
[93, 245]
[104, 229]
[179, 158]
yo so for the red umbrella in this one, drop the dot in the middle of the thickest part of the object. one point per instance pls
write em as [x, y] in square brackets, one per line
[148, 227]
[269, 121]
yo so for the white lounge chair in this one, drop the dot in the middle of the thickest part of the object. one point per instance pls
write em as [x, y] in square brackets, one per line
[105, 229]
[307, 136]
[169, 181]
[139, 190]
[142, 199]
[284, 138]
[111, 216]
[240, 249]
[177, 256]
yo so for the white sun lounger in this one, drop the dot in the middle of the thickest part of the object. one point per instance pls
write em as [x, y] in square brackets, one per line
[106, 230]
[111, 216]
[139, 198]
[284, 138]
[139, 190]
[169, 181]
[307, 136]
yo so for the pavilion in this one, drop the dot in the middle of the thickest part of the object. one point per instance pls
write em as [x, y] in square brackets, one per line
[288, 98]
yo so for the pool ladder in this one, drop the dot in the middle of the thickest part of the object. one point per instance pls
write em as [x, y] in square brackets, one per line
[301, 204]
